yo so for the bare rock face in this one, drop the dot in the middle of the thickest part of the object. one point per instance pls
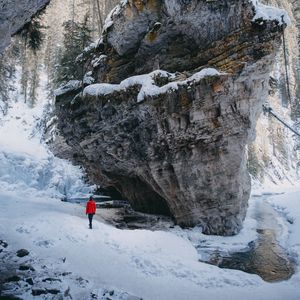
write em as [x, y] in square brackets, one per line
[174, 143]
[14, 14]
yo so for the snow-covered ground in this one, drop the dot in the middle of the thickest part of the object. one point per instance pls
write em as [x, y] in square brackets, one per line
[148, 264]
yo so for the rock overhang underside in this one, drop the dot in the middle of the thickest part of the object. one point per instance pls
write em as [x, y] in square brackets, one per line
[173, 142]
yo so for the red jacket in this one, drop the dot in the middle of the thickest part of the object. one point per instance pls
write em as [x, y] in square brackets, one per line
[90, 207]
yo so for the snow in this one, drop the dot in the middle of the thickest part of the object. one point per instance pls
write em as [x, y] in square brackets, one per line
[97, 61]
[88, 78]
[26, 163]
[270, 13]
[114, 12]
[147, 83]
[288, 205]
[152, 265]
[92, 46]
[69, 86]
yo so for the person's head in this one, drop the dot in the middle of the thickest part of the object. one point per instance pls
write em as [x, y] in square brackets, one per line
[91, 198]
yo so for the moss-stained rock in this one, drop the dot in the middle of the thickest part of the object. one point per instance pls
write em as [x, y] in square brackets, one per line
[180, 151]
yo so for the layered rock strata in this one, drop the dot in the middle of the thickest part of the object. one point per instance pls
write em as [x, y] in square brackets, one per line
[14, 14]
[175, 143]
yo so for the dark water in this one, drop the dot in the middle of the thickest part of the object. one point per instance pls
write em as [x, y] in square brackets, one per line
[264, 256]
[98, 199]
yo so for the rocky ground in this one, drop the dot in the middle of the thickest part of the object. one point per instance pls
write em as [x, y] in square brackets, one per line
[122, 216]
[22, 272]
[24, 276]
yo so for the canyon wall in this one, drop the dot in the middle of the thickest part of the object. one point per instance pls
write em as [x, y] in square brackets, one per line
[274, 156]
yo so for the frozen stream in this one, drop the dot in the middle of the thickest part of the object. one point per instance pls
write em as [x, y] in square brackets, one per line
[264, 256]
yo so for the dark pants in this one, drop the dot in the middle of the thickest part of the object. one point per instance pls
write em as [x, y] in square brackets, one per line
[90, 219]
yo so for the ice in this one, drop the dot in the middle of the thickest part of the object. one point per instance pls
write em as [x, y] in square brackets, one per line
[26, 162]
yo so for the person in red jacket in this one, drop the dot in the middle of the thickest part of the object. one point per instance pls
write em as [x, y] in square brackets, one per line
[90, 209]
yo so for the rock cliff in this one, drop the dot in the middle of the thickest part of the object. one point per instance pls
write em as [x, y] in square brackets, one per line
[274, 157]
[174, 142]
[14, 14]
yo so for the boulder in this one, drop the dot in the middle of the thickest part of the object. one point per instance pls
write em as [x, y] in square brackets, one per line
[173, 142]
[22, 252]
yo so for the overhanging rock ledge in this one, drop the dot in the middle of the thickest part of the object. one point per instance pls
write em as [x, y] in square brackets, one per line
[173, 141]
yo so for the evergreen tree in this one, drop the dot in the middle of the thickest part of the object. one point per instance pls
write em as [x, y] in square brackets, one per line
[7, 76]
[33, 37]
[77, 36]
[4, 90]
[34, 81]
[33, 34]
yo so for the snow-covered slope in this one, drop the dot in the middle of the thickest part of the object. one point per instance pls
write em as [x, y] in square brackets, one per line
[151, 265]
[25, 161]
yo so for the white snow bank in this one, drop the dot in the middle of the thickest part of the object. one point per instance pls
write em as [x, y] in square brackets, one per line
[269, 13]
[147, 83]
[16, 128]
[289, 206]
[152, 265]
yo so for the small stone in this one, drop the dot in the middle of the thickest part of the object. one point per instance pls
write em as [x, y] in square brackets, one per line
[29, 281]
[38, 292]
[67, 292]
[3, 244]
[8, 297]
[51, 279]
[53, 291]
[26, 268]
[14, 278]
[22, 252]
[93, 296]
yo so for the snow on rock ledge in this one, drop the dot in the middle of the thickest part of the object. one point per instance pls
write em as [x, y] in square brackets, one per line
[173, 142]
[147, 83]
